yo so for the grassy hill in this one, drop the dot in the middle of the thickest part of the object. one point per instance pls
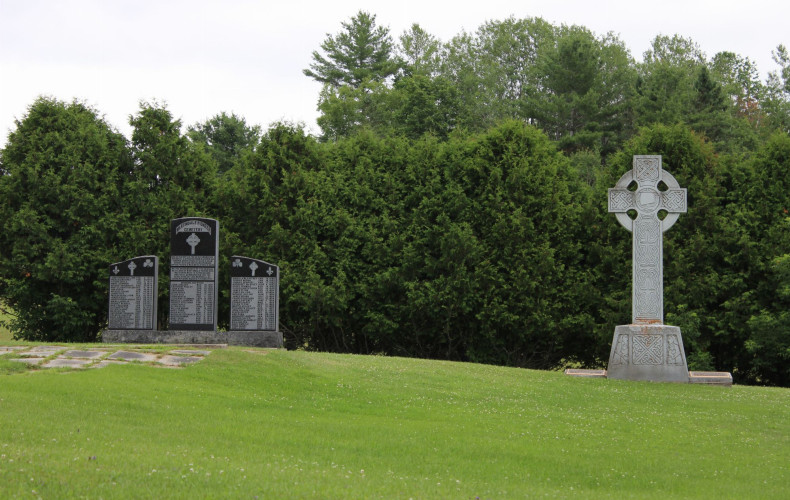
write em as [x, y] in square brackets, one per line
[276, 424]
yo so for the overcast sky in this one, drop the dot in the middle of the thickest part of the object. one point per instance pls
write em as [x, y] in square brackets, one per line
[203, 57]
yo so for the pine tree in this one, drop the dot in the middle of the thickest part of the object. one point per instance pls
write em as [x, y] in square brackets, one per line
[361, 52]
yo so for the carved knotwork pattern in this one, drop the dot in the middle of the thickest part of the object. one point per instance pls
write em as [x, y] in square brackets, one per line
[646, 296]
[620, 356]
[674, 200]
[648, 350]
[647, 169]
[674, 356]
[647, 304]
[620, 200]
[648, 230]
[647, 255]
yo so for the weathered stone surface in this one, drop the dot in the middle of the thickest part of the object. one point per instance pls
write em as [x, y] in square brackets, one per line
[4, 349]
[108, 362]
[648, 352]
[47, 350]
[30, 361]
[87, 358]
[579, 372]
[178, 360]
[66, 363]
[84, 354]
[37, 354]
[711, 378]
[190, 352]
[195, 337]
[133, 356]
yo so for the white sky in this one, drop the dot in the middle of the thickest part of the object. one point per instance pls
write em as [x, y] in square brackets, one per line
[203, 57]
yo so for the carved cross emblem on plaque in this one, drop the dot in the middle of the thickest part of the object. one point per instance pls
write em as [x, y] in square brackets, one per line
[132, 267]
[193, 240]
[270, 271]
[647, 253]
[253, 266]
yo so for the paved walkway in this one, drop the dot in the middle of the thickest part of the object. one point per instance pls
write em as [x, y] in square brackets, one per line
[56, 356]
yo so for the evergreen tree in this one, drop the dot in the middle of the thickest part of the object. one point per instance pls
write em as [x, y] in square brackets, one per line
[361, 52]
[768, 199]
[64, 215]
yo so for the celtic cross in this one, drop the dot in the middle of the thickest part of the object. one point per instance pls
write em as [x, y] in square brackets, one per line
[647, 201]
[192, 241]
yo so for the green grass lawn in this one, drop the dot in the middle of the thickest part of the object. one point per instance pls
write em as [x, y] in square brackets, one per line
[277, 424]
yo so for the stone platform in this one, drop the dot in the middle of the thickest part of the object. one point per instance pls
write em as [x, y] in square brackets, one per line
[269, 339]
[709, 378]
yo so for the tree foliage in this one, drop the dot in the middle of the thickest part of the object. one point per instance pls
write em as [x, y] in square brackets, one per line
[225, 137]
[64, 173]
[361, 52]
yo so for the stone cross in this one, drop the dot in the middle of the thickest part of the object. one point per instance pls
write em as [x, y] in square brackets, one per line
[656, 191]
[193, 240]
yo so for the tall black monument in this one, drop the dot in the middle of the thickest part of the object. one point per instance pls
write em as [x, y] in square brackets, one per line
[194, 251]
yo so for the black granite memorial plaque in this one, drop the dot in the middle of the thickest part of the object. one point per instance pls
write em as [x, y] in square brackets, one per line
[133, 294]
[254, 294]
[194, 250]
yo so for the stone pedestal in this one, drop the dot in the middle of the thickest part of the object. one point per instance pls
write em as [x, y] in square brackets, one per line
[246, 338]
[648, 352]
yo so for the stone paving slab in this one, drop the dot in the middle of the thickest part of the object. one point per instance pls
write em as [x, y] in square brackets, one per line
[12, 348]
[179, 360]
[133, 356]
[66, 363]
[90, 354]
[63, 357]
[32, 354]
[108, 362]
[30, 361]
[190, 352]
[48, 348]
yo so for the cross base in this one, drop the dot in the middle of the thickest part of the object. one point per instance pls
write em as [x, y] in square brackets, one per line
[648, 352]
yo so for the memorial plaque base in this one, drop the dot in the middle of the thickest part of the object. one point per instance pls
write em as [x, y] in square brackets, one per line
[648, 352]
[246, 338]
